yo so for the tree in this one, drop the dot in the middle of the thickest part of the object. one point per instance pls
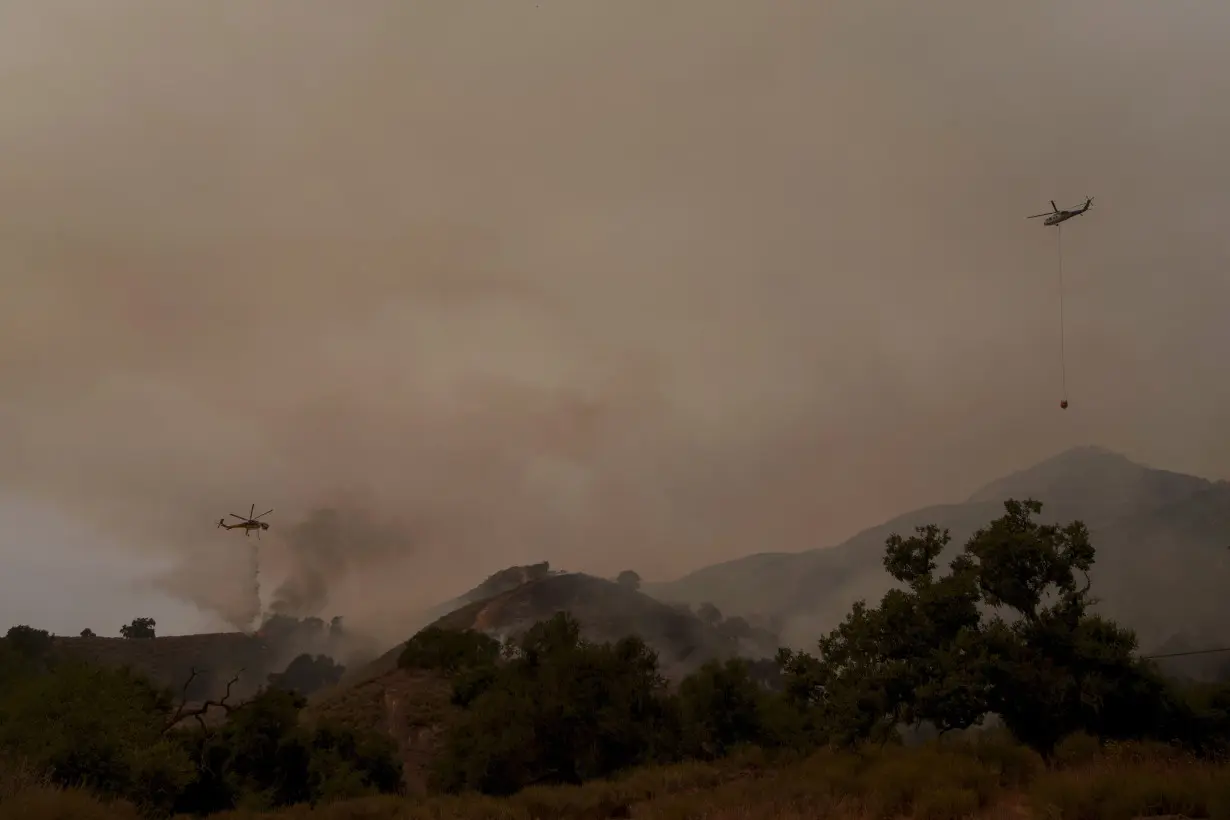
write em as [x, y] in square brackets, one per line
[563, 710]
[33, 644]
[88, 633]
[721, 707]
[928, 652]
[307, 674]
[709, 613]
[913, 658]
[265, 757]
[97, 727]
[140, 628]
[736, 628]
[1056, 668]
[629, 579]
[24, 652]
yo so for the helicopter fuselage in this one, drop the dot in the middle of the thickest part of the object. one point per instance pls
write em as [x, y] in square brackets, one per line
[246, 525]
[1055, 219]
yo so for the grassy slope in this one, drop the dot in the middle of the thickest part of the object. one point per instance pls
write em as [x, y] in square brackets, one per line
[994, 780]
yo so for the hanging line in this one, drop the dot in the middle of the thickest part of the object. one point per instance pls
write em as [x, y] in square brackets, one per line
[1063, 356]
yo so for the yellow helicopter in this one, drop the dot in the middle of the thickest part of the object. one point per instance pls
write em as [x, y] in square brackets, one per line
[249, 524]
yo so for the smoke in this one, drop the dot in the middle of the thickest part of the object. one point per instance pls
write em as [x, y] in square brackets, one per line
[324, 548]
[258, 610]
[614, 285]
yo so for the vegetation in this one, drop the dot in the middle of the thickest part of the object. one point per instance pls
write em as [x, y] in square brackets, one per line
[449, 651]
[629, 578]
[114, 733]
[307, 674]
[139, 628]
[1090, 730]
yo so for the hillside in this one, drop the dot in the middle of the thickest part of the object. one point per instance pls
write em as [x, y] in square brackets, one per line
[410, 707]
[496, 583]
[1160, 535]
[606, 612]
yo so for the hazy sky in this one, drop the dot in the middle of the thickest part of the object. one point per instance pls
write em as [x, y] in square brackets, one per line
[615, 284]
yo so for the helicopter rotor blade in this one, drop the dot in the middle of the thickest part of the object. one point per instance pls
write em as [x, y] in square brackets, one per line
[240, 517]
[1035, 216]
[251, 511]
[262, 515]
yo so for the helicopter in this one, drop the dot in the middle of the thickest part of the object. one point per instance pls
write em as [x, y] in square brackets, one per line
[1055, 216]
[249, 524]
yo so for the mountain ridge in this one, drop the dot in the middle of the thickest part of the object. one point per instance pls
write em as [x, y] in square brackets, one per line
[1146, 523]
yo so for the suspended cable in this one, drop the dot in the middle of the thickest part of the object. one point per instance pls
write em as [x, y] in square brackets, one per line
[1056, 217]
[1063, 355]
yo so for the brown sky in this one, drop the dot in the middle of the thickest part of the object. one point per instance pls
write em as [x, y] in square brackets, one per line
[614, 284]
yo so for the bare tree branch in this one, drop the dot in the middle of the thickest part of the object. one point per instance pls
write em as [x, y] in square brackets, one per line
[182, 712]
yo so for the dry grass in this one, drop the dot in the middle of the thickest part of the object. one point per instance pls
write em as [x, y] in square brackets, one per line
[990, 780]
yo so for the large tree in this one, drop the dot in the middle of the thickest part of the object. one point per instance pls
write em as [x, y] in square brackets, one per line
[1007, 630]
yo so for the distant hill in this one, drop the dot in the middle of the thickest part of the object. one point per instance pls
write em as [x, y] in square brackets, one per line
[1162, 563]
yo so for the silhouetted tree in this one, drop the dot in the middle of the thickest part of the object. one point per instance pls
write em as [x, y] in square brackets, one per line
[563, 710]
[139, 628]
[264, 757]
[88, 633]
[929, 653]
[720, 707]
[709, 613]
[629, 579]
[307, 674]
[736, 628]
[31, 643]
